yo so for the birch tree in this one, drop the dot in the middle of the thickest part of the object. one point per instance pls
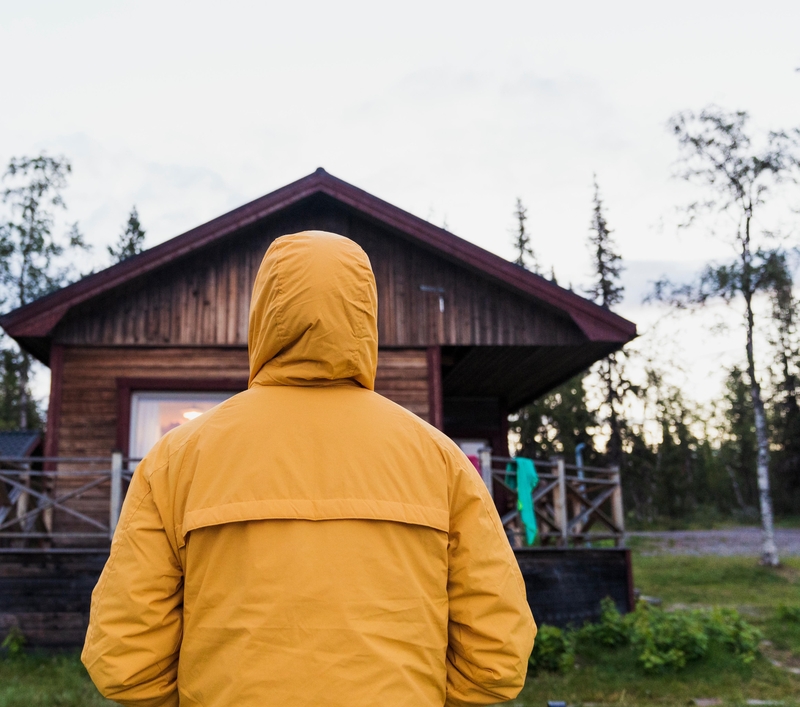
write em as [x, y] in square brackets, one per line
[738, 180]
[32, 263]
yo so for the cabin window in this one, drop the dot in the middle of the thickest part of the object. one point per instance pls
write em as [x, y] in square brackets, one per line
[153, 414]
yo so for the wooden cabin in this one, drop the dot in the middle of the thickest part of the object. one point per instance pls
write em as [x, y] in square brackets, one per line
[465, 337]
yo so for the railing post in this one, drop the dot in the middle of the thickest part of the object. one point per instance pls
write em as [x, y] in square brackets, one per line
[116, 492]
[560, 504]
[22, 501]
[577, 530]
[577, 506]
[485, 455]
[618, 514]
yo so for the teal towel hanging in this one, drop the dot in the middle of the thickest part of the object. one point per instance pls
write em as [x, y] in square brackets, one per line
[524, 483]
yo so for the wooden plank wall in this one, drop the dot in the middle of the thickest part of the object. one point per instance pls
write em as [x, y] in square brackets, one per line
[89, 406]
[47, 597]
[204, 298]
[88, 420]
[566, 586]
[88, 424]
[403, 377]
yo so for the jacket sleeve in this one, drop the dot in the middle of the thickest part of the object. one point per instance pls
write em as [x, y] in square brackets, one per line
[135, 627]
[491, 629]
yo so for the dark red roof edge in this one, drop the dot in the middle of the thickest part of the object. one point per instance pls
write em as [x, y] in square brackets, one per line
[38, 318]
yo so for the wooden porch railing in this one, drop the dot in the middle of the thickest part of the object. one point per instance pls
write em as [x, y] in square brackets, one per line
[34, 489]
[573, 505]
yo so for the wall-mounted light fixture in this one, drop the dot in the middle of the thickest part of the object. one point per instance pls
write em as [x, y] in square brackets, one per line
[436, 290]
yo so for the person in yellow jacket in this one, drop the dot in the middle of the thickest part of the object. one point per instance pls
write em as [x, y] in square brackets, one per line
[309, 542]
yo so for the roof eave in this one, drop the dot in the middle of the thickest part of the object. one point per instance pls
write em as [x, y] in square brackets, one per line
[597, 323]
[39, 317]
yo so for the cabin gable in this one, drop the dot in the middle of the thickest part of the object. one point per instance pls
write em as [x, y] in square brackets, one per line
[203, 298]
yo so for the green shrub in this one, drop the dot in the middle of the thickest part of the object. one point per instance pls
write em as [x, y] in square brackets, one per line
[662, 640]
[552, 650]
[14, 643]
[612, 630]
[728, 628]
[668, 640]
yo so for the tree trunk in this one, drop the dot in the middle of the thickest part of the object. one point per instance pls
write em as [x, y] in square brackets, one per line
[615, 438]
[769, 552]
[737, 492]
[25, 361]
[24, 372]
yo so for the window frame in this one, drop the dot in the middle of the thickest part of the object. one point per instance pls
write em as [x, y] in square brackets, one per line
[127, 386]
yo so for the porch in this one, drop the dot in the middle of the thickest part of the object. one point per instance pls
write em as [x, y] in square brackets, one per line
[67, 504]
[574, 506]
[41, 495]
[58, 515]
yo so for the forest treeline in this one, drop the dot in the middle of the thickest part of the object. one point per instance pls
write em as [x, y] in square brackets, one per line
[672, 474]
[682, 461]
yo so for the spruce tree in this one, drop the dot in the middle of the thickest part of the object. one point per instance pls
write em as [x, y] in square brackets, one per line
[130, 241]
[607, 291]
[522, 240]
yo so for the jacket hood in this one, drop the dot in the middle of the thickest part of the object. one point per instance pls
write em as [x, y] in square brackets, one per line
[313, 314]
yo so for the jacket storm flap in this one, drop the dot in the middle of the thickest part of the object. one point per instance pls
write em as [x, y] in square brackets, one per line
[309, 542]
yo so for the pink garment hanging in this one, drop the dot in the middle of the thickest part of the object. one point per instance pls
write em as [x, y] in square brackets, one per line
[475, 462]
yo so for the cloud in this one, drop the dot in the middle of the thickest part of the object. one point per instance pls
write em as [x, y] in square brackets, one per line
[107, 180]
[640, 275]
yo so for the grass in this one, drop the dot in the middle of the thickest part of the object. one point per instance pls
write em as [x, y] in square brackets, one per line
[607, 676]
[47, 681]
[610, 676]
[739, 582]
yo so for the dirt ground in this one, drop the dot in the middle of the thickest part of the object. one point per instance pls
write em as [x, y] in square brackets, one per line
[734, 541]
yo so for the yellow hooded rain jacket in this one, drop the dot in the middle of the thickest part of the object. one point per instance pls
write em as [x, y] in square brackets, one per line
[309, 542]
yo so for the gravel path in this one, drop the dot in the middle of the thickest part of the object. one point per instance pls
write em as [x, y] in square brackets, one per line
[736, 541]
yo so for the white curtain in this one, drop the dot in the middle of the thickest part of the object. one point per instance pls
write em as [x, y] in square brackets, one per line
[153, 414]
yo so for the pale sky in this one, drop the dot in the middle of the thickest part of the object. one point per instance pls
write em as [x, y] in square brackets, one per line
[448, 110]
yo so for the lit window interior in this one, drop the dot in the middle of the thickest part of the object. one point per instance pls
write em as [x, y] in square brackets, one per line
[153, 414]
